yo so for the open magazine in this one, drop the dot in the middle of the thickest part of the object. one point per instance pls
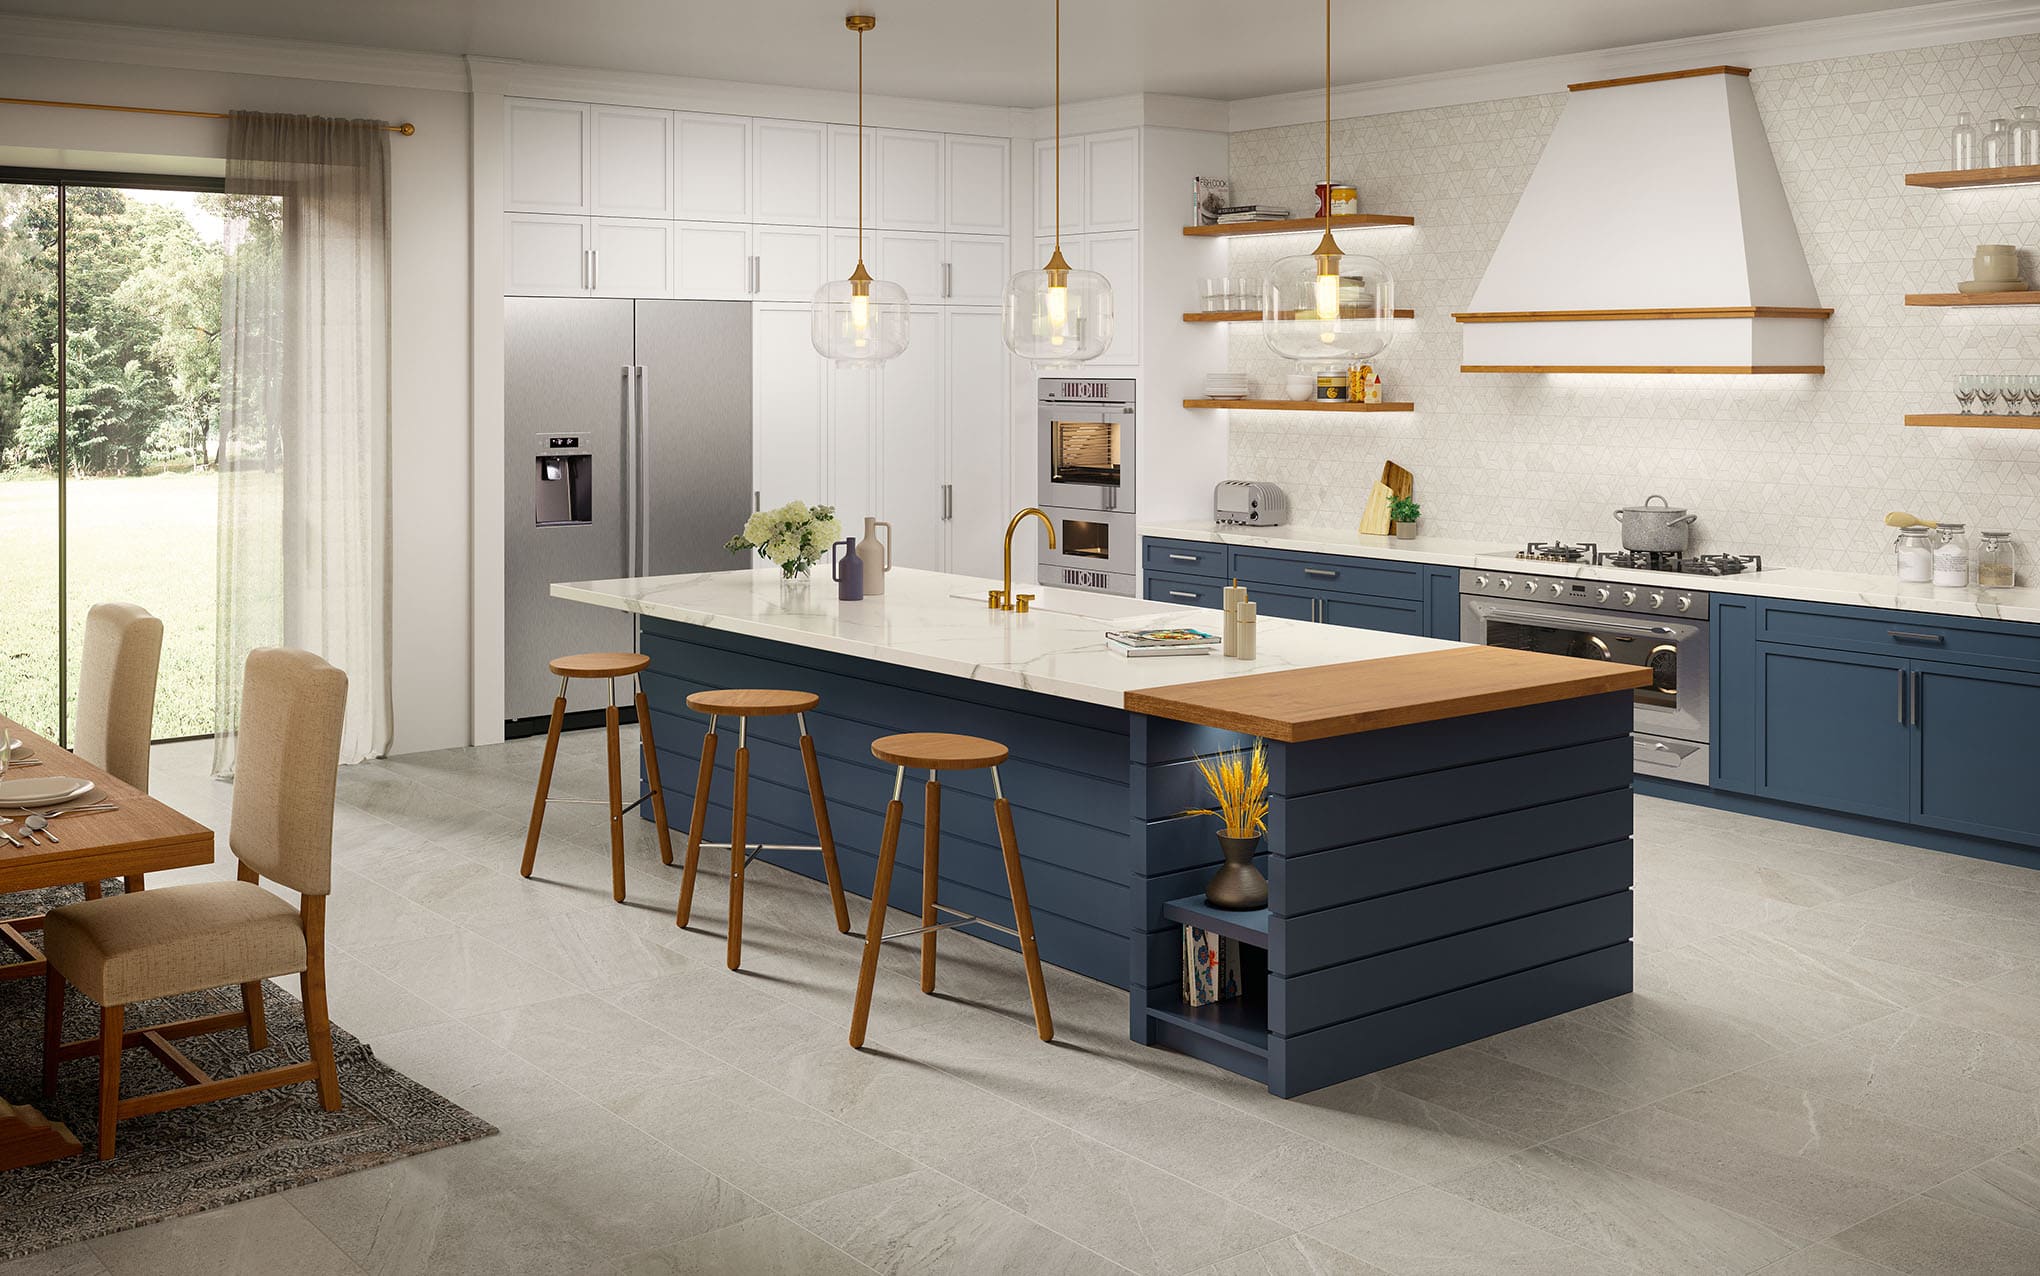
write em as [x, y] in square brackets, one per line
[1162, 642]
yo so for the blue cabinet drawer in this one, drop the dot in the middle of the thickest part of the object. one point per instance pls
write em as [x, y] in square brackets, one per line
[1373, 613]
[1328, 573]
[1901, 633]
[1183, 558]
[1182, 590]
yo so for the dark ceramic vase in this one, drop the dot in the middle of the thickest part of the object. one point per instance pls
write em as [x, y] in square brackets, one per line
[1237, 885]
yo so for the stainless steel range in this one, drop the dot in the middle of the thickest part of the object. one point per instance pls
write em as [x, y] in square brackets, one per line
[1656, 622]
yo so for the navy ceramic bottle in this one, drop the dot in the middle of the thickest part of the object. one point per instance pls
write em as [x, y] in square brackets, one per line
[847, 569]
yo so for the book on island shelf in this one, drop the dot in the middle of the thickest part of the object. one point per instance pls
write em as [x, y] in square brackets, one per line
[1211, 967]
[1162, 642]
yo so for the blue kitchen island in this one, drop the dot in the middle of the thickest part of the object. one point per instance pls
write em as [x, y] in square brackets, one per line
[1448, 846]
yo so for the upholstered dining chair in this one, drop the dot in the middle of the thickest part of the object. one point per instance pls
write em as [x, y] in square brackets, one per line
[181, 939]
[117, 695]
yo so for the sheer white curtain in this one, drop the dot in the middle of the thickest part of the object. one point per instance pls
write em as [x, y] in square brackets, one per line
[304, 556]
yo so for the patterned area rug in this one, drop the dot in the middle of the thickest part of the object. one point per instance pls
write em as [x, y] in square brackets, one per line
[202, 1157]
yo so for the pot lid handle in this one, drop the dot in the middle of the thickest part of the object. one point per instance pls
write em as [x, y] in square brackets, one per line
[1659, 499]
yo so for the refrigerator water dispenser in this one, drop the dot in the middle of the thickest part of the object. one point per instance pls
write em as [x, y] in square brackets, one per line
[562, 493]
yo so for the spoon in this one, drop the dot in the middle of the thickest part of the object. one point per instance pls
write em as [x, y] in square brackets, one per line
[1899, 518]
[37, 824]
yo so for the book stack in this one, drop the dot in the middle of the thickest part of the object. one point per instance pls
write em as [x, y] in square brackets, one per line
[1211, 967]
[1234, 214]
[1162, 642]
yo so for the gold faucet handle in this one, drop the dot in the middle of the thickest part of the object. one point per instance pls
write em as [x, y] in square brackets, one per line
[996, 599]
[1020, 602]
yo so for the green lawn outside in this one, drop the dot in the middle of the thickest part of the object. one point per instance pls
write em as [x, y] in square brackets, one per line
[148, 540]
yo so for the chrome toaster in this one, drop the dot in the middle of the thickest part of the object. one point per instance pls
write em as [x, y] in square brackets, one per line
[1245, 504]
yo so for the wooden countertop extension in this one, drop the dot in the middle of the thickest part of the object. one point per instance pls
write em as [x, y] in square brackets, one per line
[1296, 705]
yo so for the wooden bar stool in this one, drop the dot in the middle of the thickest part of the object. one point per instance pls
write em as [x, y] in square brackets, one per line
[743, 705]
[943, 753]
[611, 665]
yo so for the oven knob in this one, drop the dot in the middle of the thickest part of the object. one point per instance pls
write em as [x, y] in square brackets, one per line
[1529, 586]
[1685, 602]
[1556, 589]
[1628, 597]
[1657, 599]
[1503, 583]
[1480, 582]
[1601, 594]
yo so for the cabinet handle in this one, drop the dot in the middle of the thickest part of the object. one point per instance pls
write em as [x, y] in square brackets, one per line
[757, 500]
[1904, 704]
[1906, 635]
[1185, 558]
[1179, 593]
[1917, 704]
[586, 280]
[594, 270]
[948, 277]
[948, 501]
[1317, 609]
[1324, 572]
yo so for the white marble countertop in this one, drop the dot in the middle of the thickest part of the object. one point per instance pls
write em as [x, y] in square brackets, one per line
[1852, 589]
[939, 623]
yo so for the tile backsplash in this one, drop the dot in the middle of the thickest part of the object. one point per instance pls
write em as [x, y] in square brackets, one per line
[1799, 469]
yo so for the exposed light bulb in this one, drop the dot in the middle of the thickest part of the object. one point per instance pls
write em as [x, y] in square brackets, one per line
[1058, 301]
[860, 312]
[1325, 292]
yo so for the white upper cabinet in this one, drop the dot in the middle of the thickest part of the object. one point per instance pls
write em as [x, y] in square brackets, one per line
[1072, 187]
[913, 260]
[545, 255]
[1111, 189]
[977, 180]
[631, 162]
[908, 167]
[843, 164]
[977, 270]
[712, 164]
[789, 408]
[975, 377]
[792, 261]
[633, 257]
[1117, 257]
[789, 172]
[913, 475]
[712, 261]
[545, 160]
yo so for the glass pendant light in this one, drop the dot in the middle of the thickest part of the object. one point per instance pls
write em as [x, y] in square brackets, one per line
[1057, 317]
[1328, 307]
[860, 321]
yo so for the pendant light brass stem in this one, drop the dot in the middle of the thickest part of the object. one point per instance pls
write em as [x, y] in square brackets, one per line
[1327, 252]
[860, 278]
[1058, 130]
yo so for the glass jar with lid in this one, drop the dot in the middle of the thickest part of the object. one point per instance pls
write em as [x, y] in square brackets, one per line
[1915, 550]
[1997, 561]
[1951, 556]
[2026, 135]
[1963, 142]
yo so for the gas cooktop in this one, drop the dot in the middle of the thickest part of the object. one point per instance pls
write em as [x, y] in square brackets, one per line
[1586, 552]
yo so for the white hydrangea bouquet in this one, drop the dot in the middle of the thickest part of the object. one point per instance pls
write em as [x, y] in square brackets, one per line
[794, 537]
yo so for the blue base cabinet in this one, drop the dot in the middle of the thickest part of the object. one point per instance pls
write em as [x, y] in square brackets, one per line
[1332, 589]
[1834, 730]
[1976, 742]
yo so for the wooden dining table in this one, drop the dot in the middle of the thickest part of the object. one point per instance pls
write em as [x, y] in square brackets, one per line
[142, 836]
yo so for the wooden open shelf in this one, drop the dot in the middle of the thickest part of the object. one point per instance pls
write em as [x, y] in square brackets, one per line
[1972, 299]
[1974, 420]
[1965, 178]
[1760, 370]
[1251, 316]
[1296, 225]
[1297, 405]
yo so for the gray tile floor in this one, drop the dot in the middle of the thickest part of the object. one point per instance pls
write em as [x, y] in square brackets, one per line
[1831, 1067]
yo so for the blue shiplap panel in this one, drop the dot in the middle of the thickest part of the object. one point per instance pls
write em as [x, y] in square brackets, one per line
[1450, 742]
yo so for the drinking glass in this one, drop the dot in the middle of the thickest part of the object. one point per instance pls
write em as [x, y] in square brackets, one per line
[1965, 391]
[1986, 392]
[1997, 144]
[1963, 141]
[2032, 384]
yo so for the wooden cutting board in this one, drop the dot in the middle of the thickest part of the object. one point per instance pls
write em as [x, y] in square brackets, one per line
[1374, 519]
[1399, 480]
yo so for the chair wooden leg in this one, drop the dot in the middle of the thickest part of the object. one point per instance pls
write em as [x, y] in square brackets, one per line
[931, 873]
[738, 803]
[651, 752]
[53, 1029]
[824, 835]
[881, 887]
[94, 889]
[1023, 920]
[258, 1025]
[318, 1020]
[612, 725]
[545, 770]
[695, 825]
[110, 1028]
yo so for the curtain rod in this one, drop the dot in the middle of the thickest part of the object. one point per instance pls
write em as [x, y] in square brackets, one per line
[405, 129]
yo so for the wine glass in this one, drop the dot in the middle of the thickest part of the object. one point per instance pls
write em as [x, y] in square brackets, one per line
[2032, 393]
[1965, 390]
[1987, 392]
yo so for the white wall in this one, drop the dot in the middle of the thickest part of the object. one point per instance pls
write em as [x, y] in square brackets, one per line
[430, 329]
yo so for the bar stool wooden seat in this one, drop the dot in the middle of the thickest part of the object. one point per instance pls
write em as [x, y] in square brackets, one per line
[935, 753]
[743, 704]
[610, 665]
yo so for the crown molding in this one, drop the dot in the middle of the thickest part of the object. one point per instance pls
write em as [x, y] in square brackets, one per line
[1920, 26]
[24, 36]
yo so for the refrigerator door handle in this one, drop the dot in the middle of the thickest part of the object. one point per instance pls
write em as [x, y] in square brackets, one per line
[641, 532]
[948, 280]
[629, 457]
[948, 502]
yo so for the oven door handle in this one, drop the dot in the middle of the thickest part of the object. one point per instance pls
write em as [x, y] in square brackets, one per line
[1612, 626]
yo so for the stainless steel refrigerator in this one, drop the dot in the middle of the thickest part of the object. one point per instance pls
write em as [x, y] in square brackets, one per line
[628, 453]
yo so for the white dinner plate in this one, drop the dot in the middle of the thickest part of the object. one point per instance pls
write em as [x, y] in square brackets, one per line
[43, 790]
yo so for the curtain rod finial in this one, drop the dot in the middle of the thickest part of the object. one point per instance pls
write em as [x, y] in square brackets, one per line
[407, 129]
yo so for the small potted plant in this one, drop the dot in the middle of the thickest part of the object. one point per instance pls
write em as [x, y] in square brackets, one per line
[793, 537]
[1404, 513]
[1238, 781]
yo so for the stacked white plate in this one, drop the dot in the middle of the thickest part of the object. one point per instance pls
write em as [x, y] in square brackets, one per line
[43, 790]
[1226, 385]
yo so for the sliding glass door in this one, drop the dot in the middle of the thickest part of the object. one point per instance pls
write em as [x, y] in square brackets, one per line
[109, 415]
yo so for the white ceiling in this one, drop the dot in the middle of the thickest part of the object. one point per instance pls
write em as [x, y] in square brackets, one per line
[994, 52]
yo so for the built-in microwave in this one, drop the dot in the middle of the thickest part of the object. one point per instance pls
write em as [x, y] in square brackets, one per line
[1087, 444]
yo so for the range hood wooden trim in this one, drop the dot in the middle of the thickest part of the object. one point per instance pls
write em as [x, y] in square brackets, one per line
[1814, 369]
[1597, 316]
[1694, 73]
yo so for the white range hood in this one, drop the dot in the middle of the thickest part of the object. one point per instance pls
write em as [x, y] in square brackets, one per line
[1653, 236]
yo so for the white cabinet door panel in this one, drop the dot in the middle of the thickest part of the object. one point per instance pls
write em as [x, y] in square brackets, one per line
[633, 257]
[789, 172]
[978, 270]
[978, 422]
[978, 181]
[909, 170]
[789, 421]
[853, 447]
[712, 260]
[1111, 196]
[913, 261]
[792, 261]
[843, 165]
[1117, 257]
[631, 162]
[545, 159]
[1072, 187]
[712, 167]
[912, 400]
[544, 255]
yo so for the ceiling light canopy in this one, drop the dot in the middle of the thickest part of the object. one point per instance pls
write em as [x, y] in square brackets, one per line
[860, 321]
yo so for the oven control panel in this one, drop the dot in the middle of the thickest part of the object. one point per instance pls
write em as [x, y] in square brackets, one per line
[1601, 595]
